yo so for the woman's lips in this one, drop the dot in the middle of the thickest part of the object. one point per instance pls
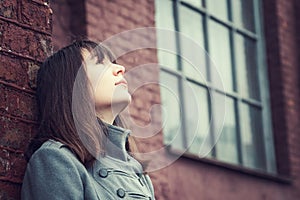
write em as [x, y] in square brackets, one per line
[123, 82]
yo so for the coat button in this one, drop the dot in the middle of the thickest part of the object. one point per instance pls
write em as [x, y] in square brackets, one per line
[121, 193]
[103, 173]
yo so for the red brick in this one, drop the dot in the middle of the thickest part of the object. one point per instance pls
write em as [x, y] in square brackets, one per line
[12, 165]
[8, 9]
[26, 42]
[32, 69]
[17, 103]
[18, 71]
[15, 134]
[24, 36]
[10, 191]
[138, 103]
[3, 27]
[35, 15]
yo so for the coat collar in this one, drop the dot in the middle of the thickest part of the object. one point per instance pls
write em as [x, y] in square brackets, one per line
[116, 141]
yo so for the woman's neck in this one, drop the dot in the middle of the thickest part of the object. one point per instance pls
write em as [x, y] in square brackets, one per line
[106, 117]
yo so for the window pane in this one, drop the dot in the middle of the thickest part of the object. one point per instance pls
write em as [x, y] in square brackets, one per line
[252, 137]
[246, 64]
[196, 3]
[171, 110]
[226, 147]
[220, 53]
[164, 14]
[165, 20]
[167, 59]
[243, 15]
[197, 116]
[218, 8]
[191, 25]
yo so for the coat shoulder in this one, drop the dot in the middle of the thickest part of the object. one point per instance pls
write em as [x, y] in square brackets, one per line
[53, 151]
[52, 146]
[54, 172]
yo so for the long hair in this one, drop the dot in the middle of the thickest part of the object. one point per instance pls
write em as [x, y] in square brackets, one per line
[57, 78]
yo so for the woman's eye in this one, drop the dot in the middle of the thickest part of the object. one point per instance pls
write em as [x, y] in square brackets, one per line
[100, 62]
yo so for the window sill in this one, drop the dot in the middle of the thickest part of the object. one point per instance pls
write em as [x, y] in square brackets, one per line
[236, 168]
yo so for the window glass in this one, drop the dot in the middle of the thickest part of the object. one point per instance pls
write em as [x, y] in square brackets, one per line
[171, 110]
[196, 3]
[226, 147]
[164, 12]
[244, 135]
[197, 116]
[218, 8]
[243, 14]
[219, 51]
[252, 137]
[246, 64]
[193, 65]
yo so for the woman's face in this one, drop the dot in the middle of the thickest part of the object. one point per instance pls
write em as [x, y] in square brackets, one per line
[108, 83]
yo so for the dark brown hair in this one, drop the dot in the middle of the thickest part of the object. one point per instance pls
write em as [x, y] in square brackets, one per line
[62, 87]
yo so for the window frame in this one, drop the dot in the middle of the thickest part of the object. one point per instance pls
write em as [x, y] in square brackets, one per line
[263, 102]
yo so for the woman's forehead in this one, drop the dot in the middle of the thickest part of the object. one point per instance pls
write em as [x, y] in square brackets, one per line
[88, 56]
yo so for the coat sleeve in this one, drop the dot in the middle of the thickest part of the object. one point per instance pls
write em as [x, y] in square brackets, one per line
[52, 173]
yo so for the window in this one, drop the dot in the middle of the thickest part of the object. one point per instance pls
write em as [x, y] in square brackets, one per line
[230, 31]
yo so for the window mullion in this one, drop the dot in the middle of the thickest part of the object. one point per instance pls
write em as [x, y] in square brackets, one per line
[264, 92]
[211, 90]
[236, 87]
[182, 78]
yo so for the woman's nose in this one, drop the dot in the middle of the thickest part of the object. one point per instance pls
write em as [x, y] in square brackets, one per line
[118, 69]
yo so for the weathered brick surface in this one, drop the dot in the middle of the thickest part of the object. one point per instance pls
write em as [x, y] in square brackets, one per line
[21, 72]
[25, 41]
[16, 133]
[70, 24]
[17, 103]
[9, 9]
[8, 191]
[285, 84]
[11, 70]
[35, 15]
[12, 166]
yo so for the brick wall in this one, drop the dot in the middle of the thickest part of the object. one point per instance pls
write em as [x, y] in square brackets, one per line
[25, 40]
[282, 52]
[69, 21]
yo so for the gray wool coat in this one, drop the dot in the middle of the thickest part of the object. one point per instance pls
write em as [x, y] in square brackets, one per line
[54, 172]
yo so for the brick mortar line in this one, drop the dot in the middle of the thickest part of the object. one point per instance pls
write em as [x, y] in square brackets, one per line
[11, 150]
[3, 114]
[19, 88]
[24, 26]
[10, 180]
[18, 118]
[10, 52]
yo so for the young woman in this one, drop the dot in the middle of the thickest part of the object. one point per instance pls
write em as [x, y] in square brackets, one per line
[81, 150]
